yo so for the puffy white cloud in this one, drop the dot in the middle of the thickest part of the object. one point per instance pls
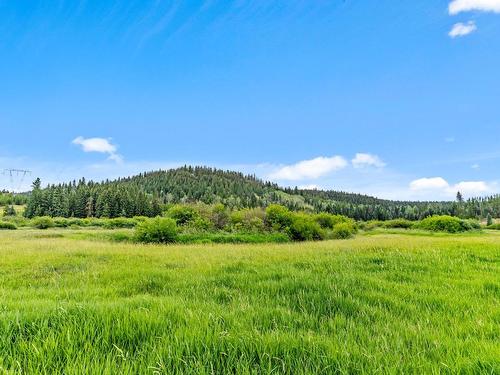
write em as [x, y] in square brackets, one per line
[442, 187]
[462, 29]
[472, 187]
[101, 145]
[459, 6]
[429, 184]
[362, 160]
[309, 169]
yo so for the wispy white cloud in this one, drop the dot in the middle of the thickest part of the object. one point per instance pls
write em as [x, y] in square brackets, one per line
[309, 169]
[462, 29]
[362, 160]
[459, 6]
[100, 145]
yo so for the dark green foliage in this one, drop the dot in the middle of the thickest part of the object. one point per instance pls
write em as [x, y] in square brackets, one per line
[489, 219]
[494, 226]
[146, 194]
[157, 230]
[43, 222]
[5, 225]
[9, 211]
[182, 214]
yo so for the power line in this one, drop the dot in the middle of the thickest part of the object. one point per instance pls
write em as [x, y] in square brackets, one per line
[13, 172]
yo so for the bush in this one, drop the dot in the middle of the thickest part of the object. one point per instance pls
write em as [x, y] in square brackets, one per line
[43, 222]
[278, 217]
[304, 228]
[328, 221]
[18, 221]
[470, 224]
[448, 224]
[373, 224]
[157, 230]
[9, 211]
[342, 231]
[494, 226]
[399, 223]
[119, 222]
[489, 220]
[249, 220]
[220, 216]
[4, 225]
[60, 222]
[182, 215]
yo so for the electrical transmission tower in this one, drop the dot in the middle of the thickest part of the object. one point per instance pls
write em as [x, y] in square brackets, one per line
[18, 175]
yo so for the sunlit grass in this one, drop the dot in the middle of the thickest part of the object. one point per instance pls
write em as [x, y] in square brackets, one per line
[387, 303]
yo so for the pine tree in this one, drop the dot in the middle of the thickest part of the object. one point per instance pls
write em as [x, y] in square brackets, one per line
[489, 220]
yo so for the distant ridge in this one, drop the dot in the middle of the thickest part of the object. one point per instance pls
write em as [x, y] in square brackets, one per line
[138, 194]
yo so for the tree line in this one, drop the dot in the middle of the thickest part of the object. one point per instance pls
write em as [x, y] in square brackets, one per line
[147, 194]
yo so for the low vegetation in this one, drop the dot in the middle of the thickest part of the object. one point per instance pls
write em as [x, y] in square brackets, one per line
[448, 224]
[384, 303]
[201, 223]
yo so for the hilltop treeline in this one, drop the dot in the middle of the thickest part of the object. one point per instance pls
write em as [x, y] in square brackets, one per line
[146, 194]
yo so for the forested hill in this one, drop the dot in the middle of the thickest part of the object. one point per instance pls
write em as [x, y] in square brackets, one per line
[146, 194]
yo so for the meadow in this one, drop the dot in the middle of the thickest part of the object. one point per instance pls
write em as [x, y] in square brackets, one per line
[390, 301]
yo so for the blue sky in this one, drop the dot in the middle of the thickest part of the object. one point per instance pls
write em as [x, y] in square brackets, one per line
[394, 99]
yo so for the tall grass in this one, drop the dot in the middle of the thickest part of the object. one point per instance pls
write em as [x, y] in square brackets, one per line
[373, 304]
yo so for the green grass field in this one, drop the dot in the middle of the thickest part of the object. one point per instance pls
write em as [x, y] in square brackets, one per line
[383, 303]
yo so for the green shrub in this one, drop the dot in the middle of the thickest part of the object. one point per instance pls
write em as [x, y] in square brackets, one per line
[5, 225]
[119, 222]
[183, 215]
[494, 226]
[9, 211]
[278, 217]
[448, 224]
[43, 222]
[18, 221]
[470, 224]
[304, 228]
[342, 231]
[219, 216]
[373, 224]
[249, 220]
[328, 221]
[489, 220]
[61, 222]
[157, 230]
[398, 223]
